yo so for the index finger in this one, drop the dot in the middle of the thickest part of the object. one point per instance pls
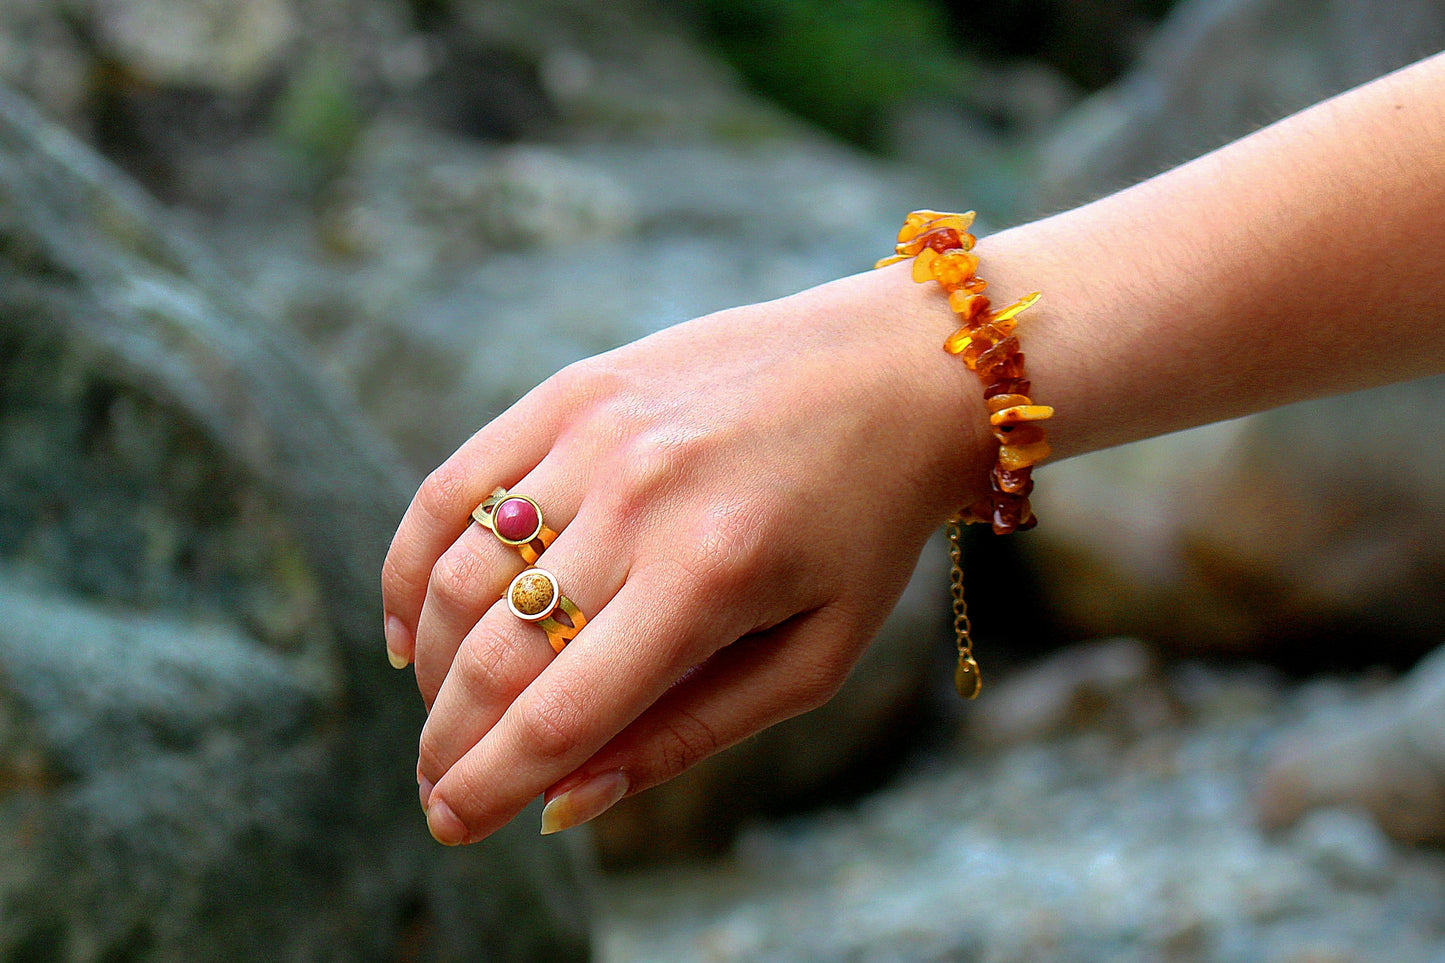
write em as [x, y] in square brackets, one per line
[618, 666]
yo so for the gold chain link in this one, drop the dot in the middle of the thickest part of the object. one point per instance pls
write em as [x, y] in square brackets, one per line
[966, 678]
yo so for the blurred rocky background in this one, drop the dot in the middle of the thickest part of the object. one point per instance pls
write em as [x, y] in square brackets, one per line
[264, 262]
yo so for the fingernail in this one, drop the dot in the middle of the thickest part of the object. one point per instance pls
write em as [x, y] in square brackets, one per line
[444, 825]
[397, 643]
[424, 787]
[586, 801]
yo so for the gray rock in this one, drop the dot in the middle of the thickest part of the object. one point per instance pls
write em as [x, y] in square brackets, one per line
[1210, 540]
[1114, 686]
[1347, 845]
[206, 756]
[1216, 70]
[1065, 848]
[1384, 757]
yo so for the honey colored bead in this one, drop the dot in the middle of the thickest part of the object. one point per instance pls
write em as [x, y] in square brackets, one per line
[1016, 481]
[918, 222]
[1011, 457]
[923, 265]
[954, 268]
[967, 304]
[942, 239]
[1023, 303]
[1003, 365]
[957, 341]
[979, 346]
[1015, 414]
[1020, 434]
[998, 354]
[1005, 386]
[1000, 402]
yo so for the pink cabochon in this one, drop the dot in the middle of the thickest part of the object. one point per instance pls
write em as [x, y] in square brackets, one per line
[516, 519]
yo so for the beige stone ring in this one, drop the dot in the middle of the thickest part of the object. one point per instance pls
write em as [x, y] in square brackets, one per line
[516, 520]
[534, 596]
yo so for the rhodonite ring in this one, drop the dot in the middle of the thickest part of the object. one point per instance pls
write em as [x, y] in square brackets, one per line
[534, 596]
[516, 520]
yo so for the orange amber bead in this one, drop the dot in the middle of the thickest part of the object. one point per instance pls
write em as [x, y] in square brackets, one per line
[999, 354]
[1022, 456]
[1021, 434]
[967, 304]
[1003, 366]
[1015, 414]
[1004, 386]
[1015, 481]
[1009, 512]
[942, 239]
[953, 269]
[999, 402]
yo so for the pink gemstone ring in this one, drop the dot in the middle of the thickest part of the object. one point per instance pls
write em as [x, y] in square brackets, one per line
[516, 520]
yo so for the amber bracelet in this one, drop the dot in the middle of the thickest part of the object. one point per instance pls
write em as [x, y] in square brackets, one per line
[942, 250]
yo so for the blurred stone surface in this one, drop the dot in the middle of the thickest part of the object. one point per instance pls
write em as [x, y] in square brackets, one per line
[1384, 757]
[205, 755]
[1079, 847]
[1114, 685]
[1300, 534]
[1215, 70]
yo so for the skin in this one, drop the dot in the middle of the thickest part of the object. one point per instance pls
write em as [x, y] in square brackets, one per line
[741, 498]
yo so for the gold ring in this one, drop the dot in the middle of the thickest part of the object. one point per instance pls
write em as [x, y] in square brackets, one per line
[516, 520]
[534, 596]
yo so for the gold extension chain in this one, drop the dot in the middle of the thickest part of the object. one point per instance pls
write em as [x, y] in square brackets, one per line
[966, 678]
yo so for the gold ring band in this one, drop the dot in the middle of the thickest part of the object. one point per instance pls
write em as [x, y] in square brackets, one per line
[516, 520]
[534, 596]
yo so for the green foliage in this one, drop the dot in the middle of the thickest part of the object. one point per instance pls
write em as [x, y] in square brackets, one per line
[318, 117]
[838, 63]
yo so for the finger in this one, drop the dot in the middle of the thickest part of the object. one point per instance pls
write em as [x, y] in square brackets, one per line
[472, 574]
[502, 655]
[755, 683]
[503, 451]
[621, 663]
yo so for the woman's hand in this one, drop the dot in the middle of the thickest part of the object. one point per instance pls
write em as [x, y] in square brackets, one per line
[740, 498]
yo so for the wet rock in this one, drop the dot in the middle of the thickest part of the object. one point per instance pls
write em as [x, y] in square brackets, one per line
[205, 754]
[1384, 757]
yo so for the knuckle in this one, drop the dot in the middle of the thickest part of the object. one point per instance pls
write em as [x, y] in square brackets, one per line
[684, 742]
[550, 723]
[650, 463]
[813, 689]
[481, 663]
[727, 553]
[455, 577]
[443, 493]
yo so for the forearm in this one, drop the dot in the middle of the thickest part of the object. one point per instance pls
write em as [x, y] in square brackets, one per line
[1303, 260]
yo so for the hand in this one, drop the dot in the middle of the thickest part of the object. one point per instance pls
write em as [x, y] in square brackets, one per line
[740, 498]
